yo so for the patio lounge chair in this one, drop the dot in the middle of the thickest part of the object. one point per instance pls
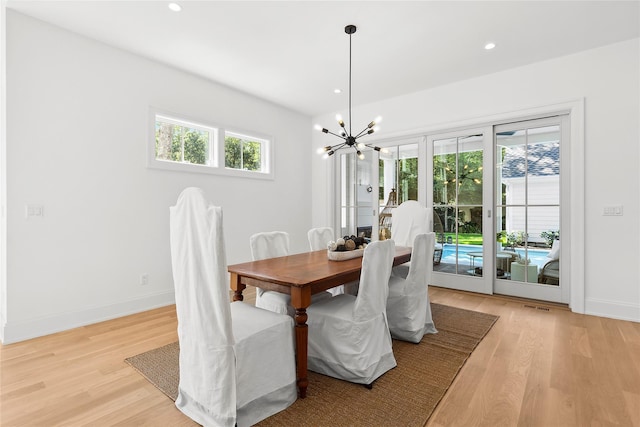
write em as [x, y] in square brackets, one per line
[550, 271]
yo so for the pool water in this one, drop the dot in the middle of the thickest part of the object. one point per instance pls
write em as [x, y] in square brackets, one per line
[537, 256]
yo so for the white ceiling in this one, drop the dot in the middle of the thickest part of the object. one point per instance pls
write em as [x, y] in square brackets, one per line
[294, 53]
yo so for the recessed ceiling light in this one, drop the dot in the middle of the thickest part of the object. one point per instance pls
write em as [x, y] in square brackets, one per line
[489, 46]
[175, 7]
[337, 91]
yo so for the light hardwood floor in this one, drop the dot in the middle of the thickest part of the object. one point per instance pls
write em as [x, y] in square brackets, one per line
[540, 365]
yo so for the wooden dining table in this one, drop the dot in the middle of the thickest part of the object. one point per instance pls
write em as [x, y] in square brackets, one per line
[301, 275]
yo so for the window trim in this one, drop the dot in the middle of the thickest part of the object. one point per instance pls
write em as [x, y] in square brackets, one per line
[216, 150]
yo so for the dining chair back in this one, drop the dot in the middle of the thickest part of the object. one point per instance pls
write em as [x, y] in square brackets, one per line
[408, 306]
[408, 220]
[224, 346]
[271, 244]
[348, 335]
[319, 238]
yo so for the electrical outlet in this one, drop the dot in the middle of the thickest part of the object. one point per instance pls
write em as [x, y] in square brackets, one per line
[144, 279]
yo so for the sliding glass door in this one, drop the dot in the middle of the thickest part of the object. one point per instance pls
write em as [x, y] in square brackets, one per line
[528, 208]
[494, 193]
[458, 195]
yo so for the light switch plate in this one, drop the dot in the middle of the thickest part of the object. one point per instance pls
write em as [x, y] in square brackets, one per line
[32, 211]
[615, 210]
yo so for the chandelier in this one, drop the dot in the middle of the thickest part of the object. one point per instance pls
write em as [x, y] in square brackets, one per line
[348, 138]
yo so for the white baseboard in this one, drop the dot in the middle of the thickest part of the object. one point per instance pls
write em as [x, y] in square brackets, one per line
[612, 309]
[20, 331]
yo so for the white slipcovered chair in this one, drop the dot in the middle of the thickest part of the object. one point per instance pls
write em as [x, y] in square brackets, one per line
[318, 239]
[408, 305]
[349, 336]
[409, 219]
[273, 244]
[224, 347]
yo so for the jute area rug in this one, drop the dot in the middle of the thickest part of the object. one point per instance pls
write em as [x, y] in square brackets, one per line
[404, 396]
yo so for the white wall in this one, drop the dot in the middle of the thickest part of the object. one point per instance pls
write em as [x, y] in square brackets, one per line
[77, 121]
[608, 79]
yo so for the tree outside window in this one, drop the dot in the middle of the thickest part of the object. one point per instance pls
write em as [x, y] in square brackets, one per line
[182, 144]
[242, 153]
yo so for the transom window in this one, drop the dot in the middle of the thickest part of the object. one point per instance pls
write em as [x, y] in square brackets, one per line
[184, 142]
[189, 145]
[244, 152]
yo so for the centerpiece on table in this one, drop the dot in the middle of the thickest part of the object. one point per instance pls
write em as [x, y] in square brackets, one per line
[347, 247]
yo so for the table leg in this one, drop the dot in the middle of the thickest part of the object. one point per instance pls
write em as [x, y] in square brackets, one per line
[236, 287]
[300, 299]
[302, 336]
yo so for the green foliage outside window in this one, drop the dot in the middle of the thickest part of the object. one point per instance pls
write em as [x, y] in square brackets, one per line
[467, 179]
[457, 194]
[243, 154]
[181, 144]
[406, 180]
[550, 235]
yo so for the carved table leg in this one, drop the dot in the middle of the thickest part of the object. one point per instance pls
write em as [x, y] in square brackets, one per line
[300, 299]
[301, 348]
[236, 287]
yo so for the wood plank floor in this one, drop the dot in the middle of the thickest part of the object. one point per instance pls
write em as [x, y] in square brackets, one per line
[540, 365]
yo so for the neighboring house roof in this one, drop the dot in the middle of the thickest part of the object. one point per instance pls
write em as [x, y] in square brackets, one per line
[543, 160]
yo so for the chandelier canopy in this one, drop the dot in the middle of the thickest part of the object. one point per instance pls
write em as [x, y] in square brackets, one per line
[348, 138]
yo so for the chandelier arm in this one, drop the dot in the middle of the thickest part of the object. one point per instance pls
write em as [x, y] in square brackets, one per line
[339, 136]
[363, 132]
[338, 146]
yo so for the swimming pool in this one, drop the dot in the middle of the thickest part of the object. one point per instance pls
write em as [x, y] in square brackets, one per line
[537, 256]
